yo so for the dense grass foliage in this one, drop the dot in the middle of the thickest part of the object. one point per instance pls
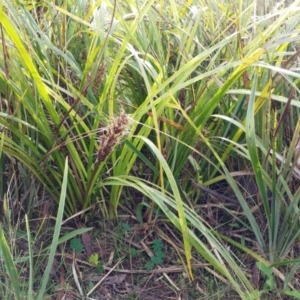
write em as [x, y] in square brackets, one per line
[172, 99]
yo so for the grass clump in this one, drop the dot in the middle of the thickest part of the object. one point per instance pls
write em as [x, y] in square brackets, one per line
[181, 116]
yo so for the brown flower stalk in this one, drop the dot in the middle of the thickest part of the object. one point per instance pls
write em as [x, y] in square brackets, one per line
[112, 135]
[99, 77]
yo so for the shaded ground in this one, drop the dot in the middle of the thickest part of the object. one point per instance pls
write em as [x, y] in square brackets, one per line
[136, 259]
[124, 260]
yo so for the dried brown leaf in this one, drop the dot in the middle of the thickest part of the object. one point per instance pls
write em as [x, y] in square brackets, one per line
[255, 276]
[87, 242]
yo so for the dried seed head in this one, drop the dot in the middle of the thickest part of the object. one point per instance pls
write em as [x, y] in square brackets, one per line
[99, 77]
[112, 135]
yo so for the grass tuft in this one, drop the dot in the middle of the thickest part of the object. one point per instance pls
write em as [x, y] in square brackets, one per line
[181, 115]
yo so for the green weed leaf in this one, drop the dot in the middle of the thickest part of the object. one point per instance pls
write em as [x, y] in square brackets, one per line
[149, 265]
[295, 294]
[133, 252]
[99, 268]
[76, 245]
[270, 283]
[157, 260]
[264, 269]
[94, 259]
[160, 254]
[157, 245]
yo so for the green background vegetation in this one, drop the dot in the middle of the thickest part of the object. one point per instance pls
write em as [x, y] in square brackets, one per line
[152, 107]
